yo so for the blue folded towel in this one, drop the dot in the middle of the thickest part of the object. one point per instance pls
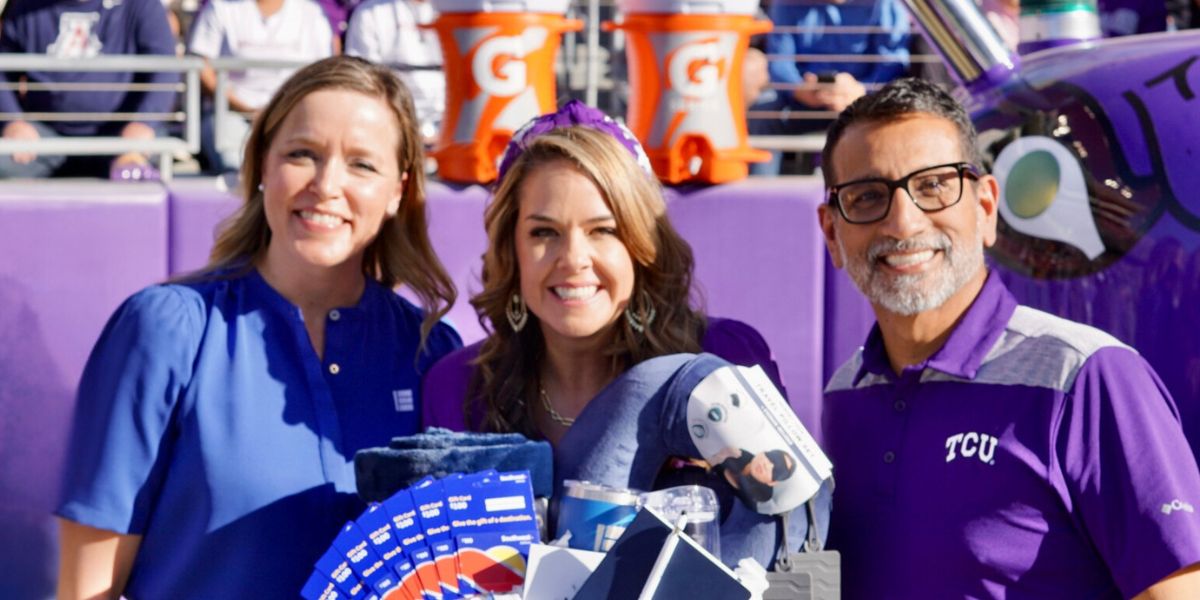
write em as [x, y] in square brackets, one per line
[381, 472]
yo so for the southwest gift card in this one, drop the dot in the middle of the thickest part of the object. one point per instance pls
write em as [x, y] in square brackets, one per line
[320, 587]
[430, 500]
[407, 528]
[365, 563]
[334, 565]
[377, 525]
[493, 521]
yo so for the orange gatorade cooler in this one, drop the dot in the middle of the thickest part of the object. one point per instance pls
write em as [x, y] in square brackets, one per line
[685, 76]
[499, 62]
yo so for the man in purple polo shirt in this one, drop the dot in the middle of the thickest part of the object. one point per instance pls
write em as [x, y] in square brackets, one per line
[983, 449]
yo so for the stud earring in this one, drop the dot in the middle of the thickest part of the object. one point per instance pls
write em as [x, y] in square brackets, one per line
[261, 187]
[641, 318]
[517, 313]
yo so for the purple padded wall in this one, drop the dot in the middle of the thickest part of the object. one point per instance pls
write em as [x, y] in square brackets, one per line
[760, 259]
[197, 206]
[456, 230]
[71, 252]
[847, 320]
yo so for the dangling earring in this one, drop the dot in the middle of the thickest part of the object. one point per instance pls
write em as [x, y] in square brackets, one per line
[641, 319]
[517, 313]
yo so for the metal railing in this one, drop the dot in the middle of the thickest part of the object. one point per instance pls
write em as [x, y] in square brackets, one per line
[191, 67]
[223, 66]
[163, 147]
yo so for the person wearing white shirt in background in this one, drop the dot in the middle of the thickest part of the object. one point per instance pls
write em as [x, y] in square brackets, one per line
[253, 29]
[389, 32]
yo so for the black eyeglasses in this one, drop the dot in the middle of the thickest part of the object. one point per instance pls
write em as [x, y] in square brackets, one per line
[932, 189]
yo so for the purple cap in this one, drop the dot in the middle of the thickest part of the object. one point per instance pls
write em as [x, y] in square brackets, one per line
[573, 113]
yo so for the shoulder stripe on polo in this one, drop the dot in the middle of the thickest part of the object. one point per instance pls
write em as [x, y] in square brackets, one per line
[843, 378]
[1037, 349]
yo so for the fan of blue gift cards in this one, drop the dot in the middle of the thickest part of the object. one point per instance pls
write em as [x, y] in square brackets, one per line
[439, 539]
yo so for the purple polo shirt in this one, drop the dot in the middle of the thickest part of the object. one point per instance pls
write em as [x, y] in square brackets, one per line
[1030, 457]
[445, 386]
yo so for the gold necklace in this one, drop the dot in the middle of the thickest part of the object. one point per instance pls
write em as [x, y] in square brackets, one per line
[554, 416]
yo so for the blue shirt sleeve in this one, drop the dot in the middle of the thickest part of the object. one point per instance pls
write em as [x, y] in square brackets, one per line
[122, 431]
[1129, 470]
[892, 45]
[784, 69]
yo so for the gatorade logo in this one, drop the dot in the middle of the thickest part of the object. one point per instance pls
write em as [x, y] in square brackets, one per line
[499, 65]
[695, 70]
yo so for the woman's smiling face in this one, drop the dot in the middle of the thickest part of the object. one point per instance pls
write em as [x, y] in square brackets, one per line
[576, 274]
[330, 179]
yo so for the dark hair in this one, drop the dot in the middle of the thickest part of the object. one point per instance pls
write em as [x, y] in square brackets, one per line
[783, 465]
[894, 101]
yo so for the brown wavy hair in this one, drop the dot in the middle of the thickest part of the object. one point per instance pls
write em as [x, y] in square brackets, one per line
[504, 384]
[401, 253]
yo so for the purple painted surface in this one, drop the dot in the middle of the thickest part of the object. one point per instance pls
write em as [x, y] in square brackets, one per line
[197, 207]
[1161, 72]
[760, 260]
[847, 321]
[72, 251]
[1123, 112]
[456, 229]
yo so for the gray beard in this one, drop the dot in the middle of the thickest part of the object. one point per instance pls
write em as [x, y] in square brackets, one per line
[904, 294]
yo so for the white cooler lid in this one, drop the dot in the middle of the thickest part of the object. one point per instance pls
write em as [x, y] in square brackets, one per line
[558, 7]
[689, 7]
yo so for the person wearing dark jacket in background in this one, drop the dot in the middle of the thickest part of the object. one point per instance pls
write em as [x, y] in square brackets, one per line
[79, 30]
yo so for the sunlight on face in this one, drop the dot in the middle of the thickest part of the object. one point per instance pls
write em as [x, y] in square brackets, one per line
[576, 273]
[330, 178]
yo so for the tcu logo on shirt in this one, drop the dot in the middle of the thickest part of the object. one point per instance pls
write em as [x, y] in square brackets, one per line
[76, 38]
[971, 444]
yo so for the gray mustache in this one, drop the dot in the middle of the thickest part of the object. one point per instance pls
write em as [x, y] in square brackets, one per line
[930, 242]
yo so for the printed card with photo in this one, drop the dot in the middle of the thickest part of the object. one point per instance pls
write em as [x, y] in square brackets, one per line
[744, 427]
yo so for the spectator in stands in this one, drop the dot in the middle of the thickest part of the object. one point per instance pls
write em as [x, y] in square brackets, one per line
[832, 84]
[1130, 17]
[387, 32]
[252, 29]
[218, 416]
[756, 80]
[339, 12]
[78, 30]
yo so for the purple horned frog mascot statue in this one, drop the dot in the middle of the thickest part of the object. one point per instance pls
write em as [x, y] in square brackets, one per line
[1095, 146]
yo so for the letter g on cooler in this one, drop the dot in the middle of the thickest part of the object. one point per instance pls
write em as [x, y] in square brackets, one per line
[696, 70]
[498, 67]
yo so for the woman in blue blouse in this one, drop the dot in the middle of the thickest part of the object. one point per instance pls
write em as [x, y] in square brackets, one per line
[218, 415]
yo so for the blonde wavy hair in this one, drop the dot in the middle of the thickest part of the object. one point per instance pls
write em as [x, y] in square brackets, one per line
[401, 253]
[504, 384]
